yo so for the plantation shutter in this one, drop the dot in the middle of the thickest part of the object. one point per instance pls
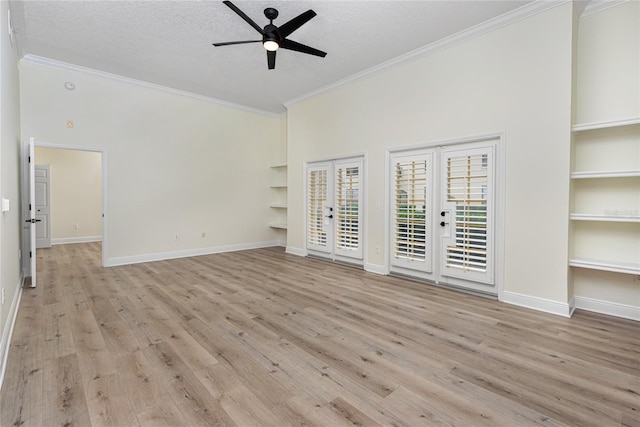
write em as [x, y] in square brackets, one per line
[411, 194]
[318, 205]
[468, 203]
[348, 208]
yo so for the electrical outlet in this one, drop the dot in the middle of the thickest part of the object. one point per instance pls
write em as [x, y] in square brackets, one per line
[176, 237]
[2, 296]
[377, 249]
[204, 235]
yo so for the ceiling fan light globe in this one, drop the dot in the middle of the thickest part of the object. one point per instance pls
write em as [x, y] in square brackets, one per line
[271, 45]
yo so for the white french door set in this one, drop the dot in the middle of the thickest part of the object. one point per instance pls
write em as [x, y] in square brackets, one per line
[334, 209]
[442, 214]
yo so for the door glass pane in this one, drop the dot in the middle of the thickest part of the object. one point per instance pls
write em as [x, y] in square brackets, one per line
[467, 181]
[348, 198]
[317, 192]
[410, 204]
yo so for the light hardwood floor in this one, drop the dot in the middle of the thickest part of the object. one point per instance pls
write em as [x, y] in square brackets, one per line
[262, 338]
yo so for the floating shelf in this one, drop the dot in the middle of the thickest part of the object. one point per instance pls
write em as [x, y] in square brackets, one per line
[278, 186]
[281, 165]
[280, 226]
[278, 205]
[603, 125]
[605, 174]
[605, 265]
[606, 218]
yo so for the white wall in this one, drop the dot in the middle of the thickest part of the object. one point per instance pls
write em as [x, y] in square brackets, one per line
[75, 192]
[10, 275]
[515, 80]
[608, 84]
[176, 165]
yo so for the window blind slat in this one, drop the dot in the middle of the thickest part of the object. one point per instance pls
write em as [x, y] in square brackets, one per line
[467, 180]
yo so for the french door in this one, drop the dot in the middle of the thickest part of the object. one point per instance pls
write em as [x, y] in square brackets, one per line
[443, 213]
[334, 209]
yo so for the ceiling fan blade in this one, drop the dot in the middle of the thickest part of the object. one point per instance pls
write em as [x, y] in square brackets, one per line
[244, 16]
[271, 59]
[292, 25]
[299, 47]
[241, 42]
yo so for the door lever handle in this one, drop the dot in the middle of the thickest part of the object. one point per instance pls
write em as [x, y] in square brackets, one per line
[442, 224]
[329, 216]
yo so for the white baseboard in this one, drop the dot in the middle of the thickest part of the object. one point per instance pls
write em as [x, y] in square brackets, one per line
[609, 308]
[536, 303]
[5, 341]
[296, 251]
[68, 240]
[375, 268]
[136, 259]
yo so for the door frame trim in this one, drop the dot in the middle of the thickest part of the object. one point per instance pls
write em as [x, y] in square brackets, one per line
[25, 193]
[500, 187]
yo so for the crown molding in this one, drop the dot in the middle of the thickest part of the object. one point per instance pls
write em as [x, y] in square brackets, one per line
[493, 24]
[594, 6]
[64, 66]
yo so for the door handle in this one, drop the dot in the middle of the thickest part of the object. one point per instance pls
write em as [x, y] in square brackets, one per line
[442, 224]
[33, 221]
[329, 216]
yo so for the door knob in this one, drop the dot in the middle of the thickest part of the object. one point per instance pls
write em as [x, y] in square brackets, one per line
[443, 213]
[442, 224]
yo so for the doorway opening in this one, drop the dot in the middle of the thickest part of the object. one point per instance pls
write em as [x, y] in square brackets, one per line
[64, 199]
[334, 210]
[446, 202]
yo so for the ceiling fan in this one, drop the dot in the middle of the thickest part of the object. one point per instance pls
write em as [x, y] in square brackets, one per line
[276, 37]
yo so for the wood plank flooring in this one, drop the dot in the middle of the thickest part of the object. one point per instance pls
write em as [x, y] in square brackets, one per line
[263, 338]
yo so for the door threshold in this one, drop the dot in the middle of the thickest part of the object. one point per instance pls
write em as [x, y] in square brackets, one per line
[461, 289]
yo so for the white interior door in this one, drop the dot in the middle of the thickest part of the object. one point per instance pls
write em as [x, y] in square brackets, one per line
[32, 212]
[334, 209]
[320, 222]
[43, 208]
[442, 213]
[467, 201]
[412, 207]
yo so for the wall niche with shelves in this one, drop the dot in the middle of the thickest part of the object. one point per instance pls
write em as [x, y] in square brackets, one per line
[606, 196]
[278, 188]
[605, 215]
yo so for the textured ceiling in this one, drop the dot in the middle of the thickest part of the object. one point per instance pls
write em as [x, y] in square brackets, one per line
[169, 42]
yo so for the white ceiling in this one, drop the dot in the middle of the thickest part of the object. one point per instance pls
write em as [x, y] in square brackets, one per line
[168, 43]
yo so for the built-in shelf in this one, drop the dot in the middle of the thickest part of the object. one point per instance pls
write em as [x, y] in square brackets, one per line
[280, 206]
[603, 125]
[281, 226]
[606, 265]
[604, 174]
[604, 235]
[609, 218]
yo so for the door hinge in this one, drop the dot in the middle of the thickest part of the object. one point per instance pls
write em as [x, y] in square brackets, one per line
[30, 254]
[29, 159]
[29, 206]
